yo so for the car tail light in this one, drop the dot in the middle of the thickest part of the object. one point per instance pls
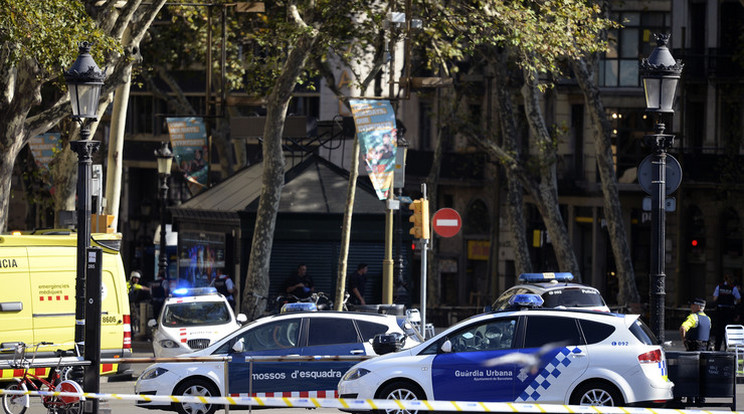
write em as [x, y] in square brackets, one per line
[651, 357]
[127, 332]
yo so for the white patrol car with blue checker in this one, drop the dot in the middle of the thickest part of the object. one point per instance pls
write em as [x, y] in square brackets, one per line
[524, 355]
[192, 319]
[298, 331]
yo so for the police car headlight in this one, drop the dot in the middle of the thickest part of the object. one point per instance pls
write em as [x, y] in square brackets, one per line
[167, 343]
[354, 373]
[153, 373]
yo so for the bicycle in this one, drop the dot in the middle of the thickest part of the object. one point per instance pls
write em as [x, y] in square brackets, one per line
[56, 381]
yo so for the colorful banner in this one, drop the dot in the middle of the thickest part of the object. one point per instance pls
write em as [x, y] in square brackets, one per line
[375, 127]
[189, 140]
[44, 147]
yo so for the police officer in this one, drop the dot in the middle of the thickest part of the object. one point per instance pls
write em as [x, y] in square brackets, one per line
[726, 296]
[225, 286]
[695, 330]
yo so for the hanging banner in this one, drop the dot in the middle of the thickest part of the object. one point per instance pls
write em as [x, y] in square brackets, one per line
[375, 128]
[44, 147]
[190, 150]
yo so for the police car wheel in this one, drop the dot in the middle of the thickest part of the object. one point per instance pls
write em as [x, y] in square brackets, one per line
[196, 388]
[15, 404]
[401, 390]
[597, 394]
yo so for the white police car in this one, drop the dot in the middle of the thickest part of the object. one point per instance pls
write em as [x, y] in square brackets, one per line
[191, 320]
[287, 334]
[525, 355]
[556, 290]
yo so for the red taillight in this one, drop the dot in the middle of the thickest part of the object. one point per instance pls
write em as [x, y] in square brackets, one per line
[651, 357]
[127, 332]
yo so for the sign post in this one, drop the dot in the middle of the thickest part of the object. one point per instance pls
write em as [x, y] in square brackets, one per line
[446, 222]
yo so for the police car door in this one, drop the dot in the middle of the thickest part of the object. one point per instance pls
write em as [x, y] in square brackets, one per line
[560, 358]
[278, 338]
[328, 336]
[464, 373]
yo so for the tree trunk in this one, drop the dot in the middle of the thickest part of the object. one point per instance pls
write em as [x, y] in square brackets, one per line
[546, 198]
[346, 228]
[257, 279]
[512, 144]
[628, 292]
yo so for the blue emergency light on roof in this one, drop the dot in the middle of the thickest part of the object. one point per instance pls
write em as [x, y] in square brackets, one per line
[194, 291]
[526, 300]
[299, 307]
[545, 277]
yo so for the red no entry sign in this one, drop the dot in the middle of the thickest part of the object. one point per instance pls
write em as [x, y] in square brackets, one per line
[446, 222]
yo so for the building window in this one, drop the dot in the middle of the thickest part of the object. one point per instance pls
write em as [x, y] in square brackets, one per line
[619, 67]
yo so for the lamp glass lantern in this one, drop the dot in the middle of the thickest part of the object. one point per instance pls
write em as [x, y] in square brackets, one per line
[660, 74]
[165, 159]
[84, 81]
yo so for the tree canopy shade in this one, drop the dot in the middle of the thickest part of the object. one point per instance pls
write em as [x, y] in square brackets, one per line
[40, 40]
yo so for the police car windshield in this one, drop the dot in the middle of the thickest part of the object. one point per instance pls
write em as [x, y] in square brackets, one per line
[195, 314]
[572, 298]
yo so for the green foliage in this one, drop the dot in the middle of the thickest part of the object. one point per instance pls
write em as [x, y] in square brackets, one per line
[48, 32]
[258, 43]
[540, 32]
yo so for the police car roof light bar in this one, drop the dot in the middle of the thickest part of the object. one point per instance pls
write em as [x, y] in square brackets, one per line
[526, 300]
[194, 291]
[299, 307]
[545, 277]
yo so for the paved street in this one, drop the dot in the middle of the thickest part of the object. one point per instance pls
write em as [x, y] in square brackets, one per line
[141, 350]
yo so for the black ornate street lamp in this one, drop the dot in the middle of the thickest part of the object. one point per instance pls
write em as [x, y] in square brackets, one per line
[660, 73]
[165, 160]
[84, 82]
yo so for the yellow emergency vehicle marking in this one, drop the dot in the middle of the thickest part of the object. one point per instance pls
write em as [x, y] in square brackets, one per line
[484, 407]
[371, 403]
[343, 403]
[426, 403]
[315, 401]
[596, 409]
[626, 411]
[145, 398]
[402, 407]
[512, 407]
[568, 408]
[286, 400]
[202, 399]
[231, 399]
[174, 398]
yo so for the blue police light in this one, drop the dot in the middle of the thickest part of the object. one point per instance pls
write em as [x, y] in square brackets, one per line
[526, 300]
[545, 277]
[194, 291]
[299, 307]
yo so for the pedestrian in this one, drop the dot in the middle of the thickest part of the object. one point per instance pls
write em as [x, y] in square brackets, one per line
[355, 285]
[299, 284]
[695, 330]
[726, 296]
[224, 285]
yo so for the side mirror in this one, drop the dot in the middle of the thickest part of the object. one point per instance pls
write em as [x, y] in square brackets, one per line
[446, 347]
[241, 318]
[239, 346]
[152, 323]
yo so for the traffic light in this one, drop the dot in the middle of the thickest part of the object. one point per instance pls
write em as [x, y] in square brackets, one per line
[420, 218]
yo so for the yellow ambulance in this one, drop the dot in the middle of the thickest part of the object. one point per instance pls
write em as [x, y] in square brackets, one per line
[37, 295]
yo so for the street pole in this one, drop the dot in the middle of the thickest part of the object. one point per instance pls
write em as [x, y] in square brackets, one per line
[660, 142]
[165, 161]
[84, 148]
[660, 74]
[424, 265]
